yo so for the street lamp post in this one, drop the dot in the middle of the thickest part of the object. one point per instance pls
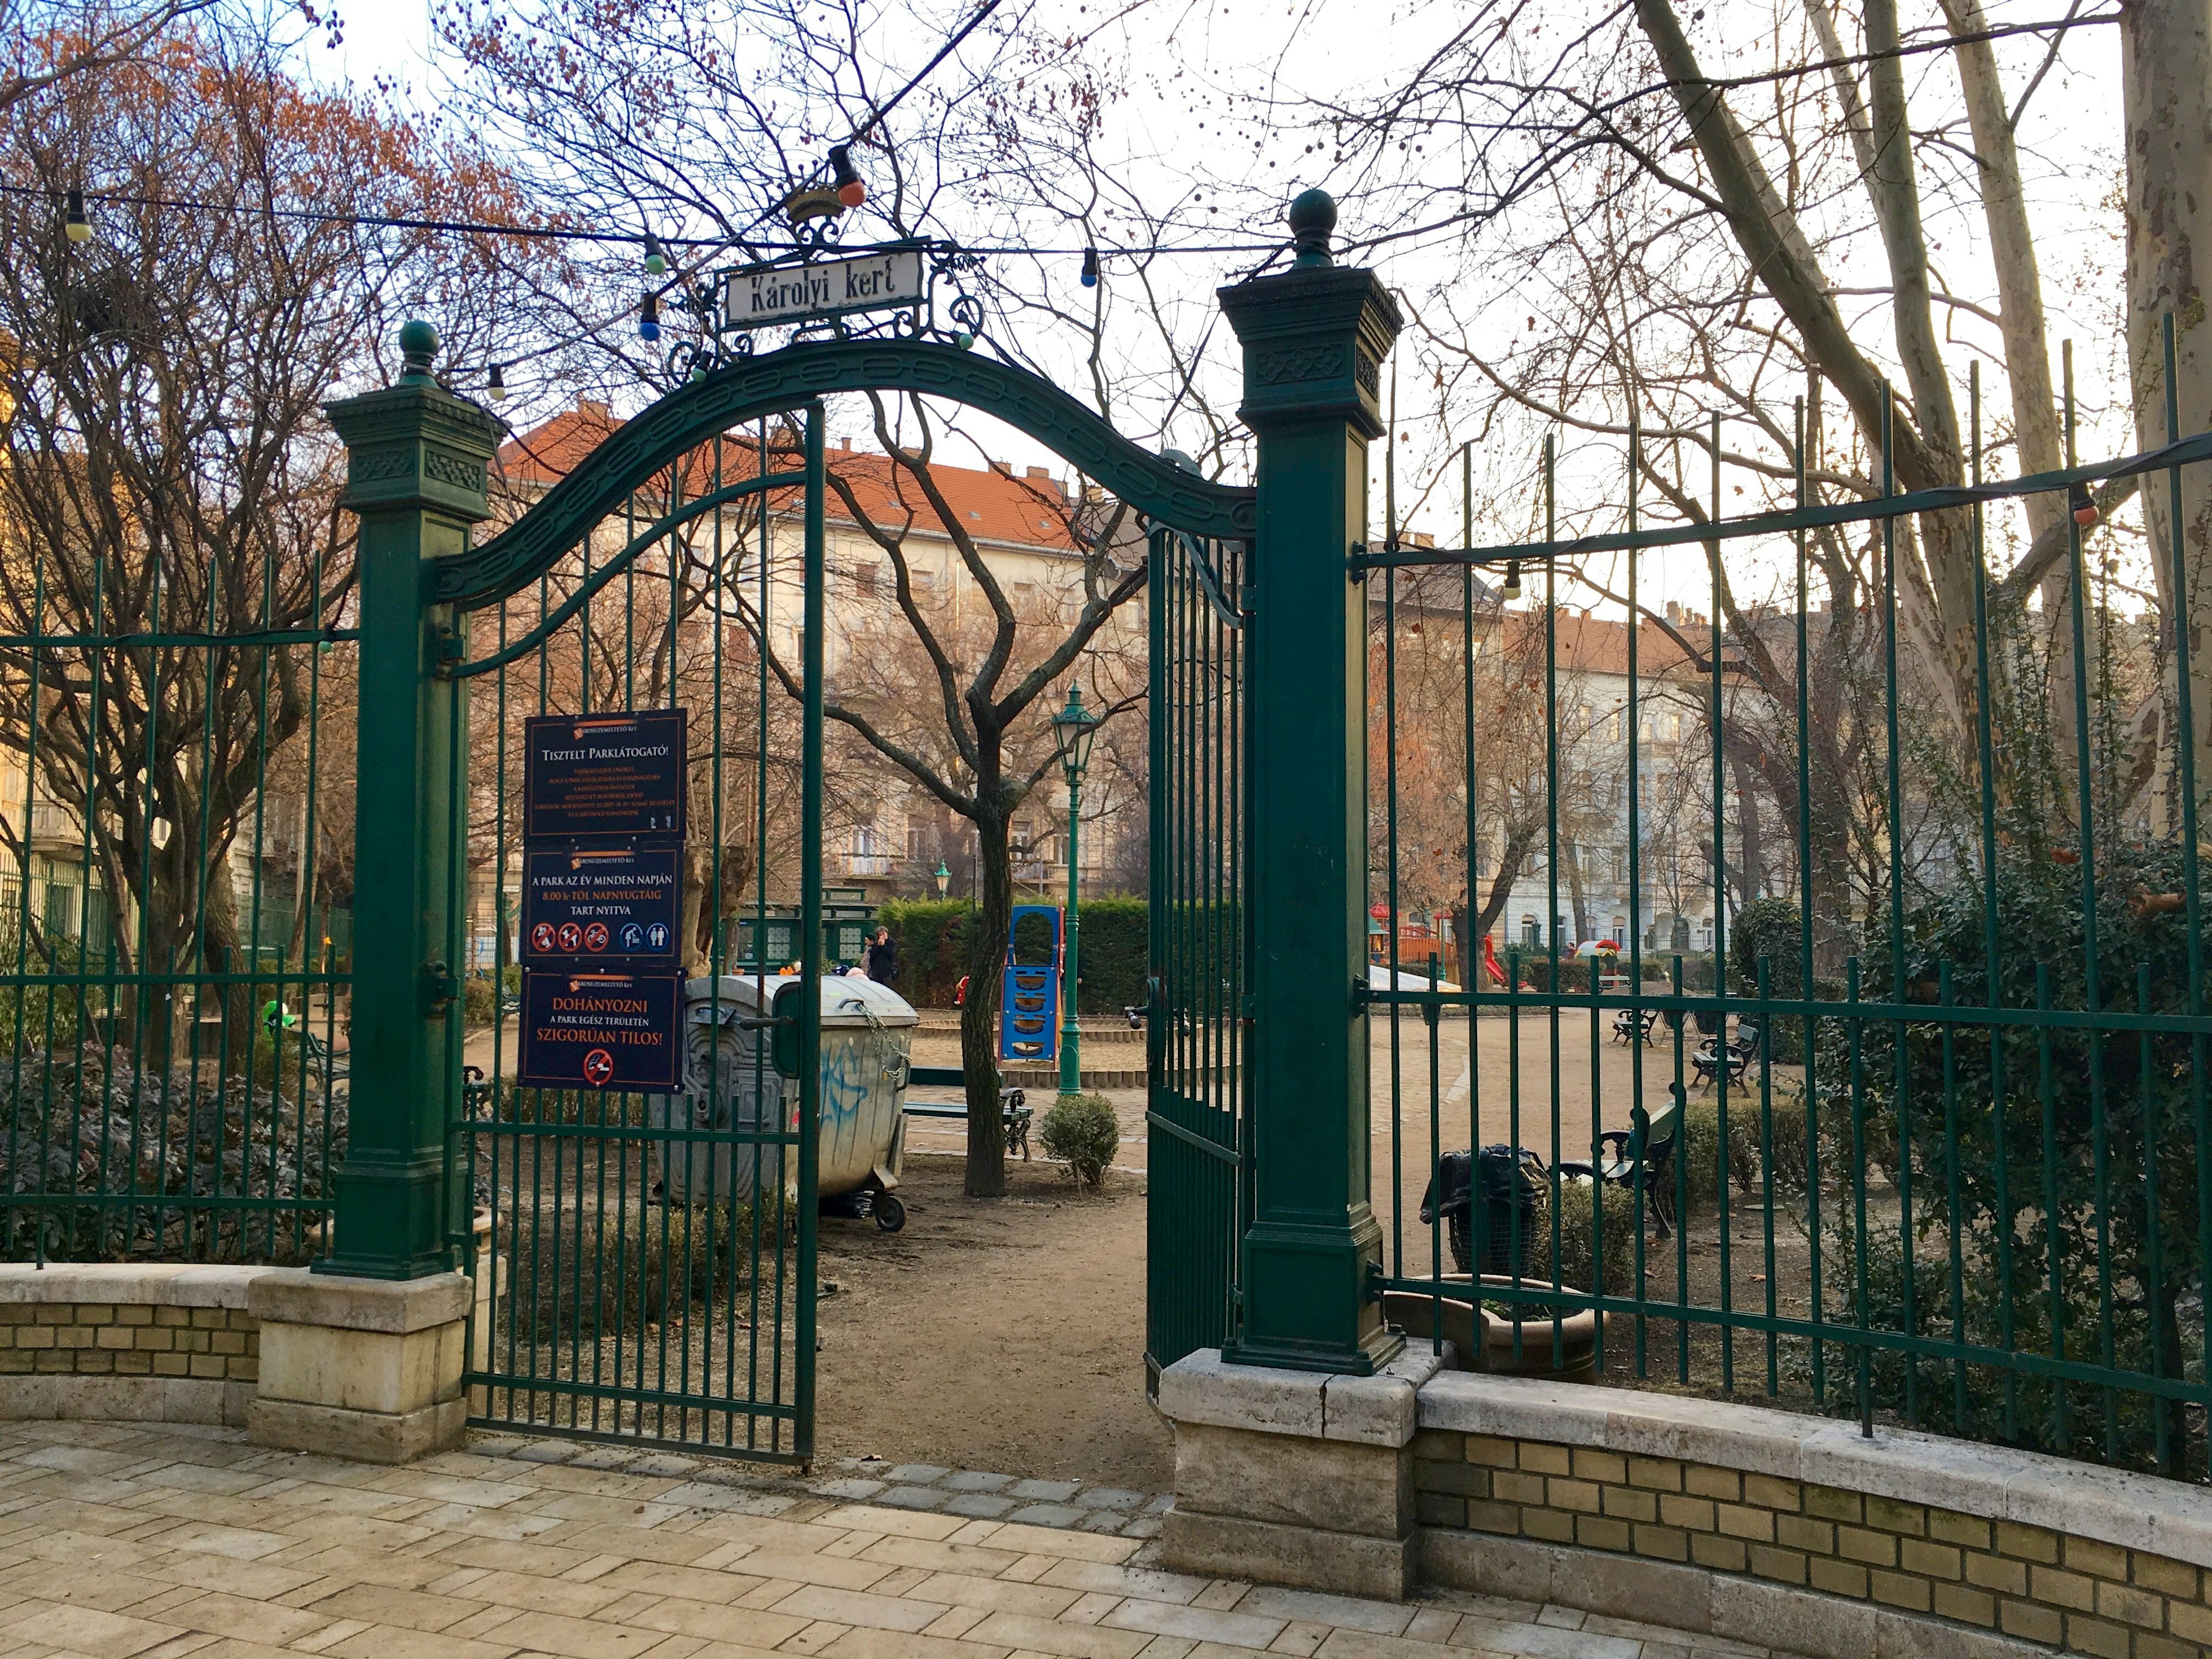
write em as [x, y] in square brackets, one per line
[942, 877]
[1076, 726]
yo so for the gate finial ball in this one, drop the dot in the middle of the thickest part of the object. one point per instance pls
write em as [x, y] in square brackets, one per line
[1312, 216]
[418, 345]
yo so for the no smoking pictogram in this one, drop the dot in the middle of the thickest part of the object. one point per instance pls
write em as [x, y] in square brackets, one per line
[598, 1068]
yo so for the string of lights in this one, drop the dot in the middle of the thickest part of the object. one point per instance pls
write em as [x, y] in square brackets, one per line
[847, 191]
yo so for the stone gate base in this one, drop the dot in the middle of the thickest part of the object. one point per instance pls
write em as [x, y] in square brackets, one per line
[362, 1368]
[1790, 1532]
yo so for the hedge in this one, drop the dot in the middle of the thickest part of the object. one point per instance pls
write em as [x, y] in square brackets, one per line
[933, 944]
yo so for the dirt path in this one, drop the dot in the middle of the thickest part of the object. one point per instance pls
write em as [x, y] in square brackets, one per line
[1008, 1334]
[1004, 1334]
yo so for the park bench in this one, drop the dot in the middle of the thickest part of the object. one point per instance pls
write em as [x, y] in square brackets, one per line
[1633, 1025]
[1014, 1112]
[1642, 1156]
[1734, 1056]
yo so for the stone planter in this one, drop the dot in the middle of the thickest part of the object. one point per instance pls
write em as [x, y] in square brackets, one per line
[1572, 1357]
[1574, 1361]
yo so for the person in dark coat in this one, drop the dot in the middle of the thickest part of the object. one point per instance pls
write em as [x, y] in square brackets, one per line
[882, 958]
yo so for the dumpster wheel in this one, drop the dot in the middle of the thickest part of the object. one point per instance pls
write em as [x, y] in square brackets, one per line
[890, 1214]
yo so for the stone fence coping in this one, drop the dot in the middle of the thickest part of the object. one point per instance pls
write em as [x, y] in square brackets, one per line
[1371, 1411]
[127, 1284]
[2133, 1511]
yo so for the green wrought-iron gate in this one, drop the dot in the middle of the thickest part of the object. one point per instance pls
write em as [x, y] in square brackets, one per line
[652, 1256]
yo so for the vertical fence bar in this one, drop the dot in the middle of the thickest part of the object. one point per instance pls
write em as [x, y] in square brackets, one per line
[2184, 646]
[810, 961]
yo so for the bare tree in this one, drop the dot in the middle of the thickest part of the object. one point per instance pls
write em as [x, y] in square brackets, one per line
[583, 89]
[1684, 235]
[167, 476]
[43, 44]
[960, 698]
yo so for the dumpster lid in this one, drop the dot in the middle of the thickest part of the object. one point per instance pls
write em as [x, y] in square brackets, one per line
[846, 999]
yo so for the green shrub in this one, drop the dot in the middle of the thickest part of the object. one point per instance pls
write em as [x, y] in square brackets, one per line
[1082, 1132]
[1980, 1402]
[1699, 1150]
[932, 946]
[589, 1272]
[1574, 976]
[480, 998]
[1114, 945]
[1769, 929]
[2053, 1191]
[1617, 1234]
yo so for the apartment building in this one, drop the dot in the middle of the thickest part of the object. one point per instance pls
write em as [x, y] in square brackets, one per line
[883, 834]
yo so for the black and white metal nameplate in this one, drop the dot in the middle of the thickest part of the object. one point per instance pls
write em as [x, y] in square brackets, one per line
[759, 295]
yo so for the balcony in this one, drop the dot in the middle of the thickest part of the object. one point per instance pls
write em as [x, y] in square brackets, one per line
[55, 826]
[867, 864]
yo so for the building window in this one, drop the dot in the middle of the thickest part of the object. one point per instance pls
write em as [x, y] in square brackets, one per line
[1531, 934]
[917, 840]
[864, 579]
[1621, 931]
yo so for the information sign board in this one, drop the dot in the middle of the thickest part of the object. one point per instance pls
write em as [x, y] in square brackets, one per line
[601, 1032]
[602, 907]
[605, 775]
[761, 295]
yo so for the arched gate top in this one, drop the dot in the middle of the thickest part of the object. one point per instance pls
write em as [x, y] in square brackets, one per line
[780, 381]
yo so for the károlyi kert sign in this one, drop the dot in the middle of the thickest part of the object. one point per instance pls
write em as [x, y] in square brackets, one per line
[605, 774]
[586, 907]
[759, 295]
[601, 1032]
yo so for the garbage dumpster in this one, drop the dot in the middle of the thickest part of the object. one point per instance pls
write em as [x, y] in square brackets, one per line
[741, 1076]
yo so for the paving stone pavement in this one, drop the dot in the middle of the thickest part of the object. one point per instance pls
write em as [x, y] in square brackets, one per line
[977, 1494]
[144, 1541]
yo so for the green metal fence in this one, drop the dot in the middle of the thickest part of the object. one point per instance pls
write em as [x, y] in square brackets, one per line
[649, 1260]
[167, 719]
[1926, 1145]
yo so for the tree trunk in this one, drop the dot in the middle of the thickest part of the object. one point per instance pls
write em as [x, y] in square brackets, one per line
[979, 1024]
[2021, 314]
[2165, 81]
[1571, 855]
[1510, 856]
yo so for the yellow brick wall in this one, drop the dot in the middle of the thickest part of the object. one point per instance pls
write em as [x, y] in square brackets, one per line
[2040, 1586]
[107, 1339]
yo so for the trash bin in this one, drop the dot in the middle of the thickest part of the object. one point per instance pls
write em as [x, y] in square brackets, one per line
[740, 1077]
[1510, 1179]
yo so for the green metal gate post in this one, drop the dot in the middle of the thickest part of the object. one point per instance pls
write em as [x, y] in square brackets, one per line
[416, 457]
[1314, 340]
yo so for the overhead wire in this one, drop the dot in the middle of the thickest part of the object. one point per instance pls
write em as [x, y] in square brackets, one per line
[713, 245]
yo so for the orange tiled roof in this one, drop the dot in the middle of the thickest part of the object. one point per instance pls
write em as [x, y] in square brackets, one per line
[1599, 645]
[997, 505]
